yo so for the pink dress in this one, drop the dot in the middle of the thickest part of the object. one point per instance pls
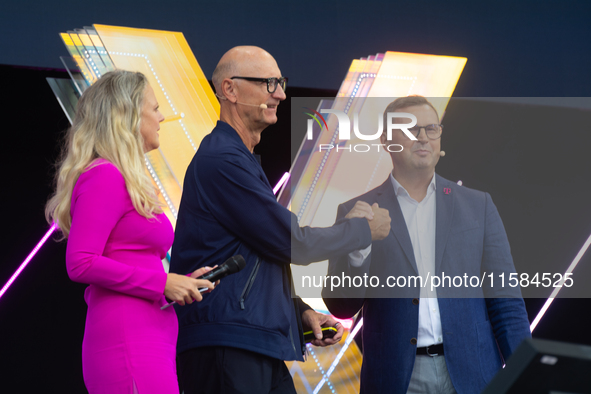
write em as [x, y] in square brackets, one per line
[129, 343]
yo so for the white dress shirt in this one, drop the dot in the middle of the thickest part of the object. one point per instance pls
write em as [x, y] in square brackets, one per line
[420, 222]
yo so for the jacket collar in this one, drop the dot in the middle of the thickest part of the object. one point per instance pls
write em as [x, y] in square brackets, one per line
[444, 200]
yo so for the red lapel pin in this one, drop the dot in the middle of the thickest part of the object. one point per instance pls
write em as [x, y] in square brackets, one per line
[447, 190]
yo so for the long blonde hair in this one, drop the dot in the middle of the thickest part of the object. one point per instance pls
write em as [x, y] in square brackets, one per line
[106, 125]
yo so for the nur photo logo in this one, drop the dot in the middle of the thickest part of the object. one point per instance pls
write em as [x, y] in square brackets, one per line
[344, 129]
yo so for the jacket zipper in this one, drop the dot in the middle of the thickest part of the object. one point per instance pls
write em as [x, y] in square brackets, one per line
[249, 282]
[291, 339]
[298, 318]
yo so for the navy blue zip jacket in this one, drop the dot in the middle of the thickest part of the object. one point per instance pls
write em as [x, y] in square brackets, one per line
[228, 208]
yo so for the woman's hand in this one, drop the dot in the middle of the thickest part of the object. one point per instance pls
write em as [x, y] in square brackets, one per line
[202, 271]
[184, 289]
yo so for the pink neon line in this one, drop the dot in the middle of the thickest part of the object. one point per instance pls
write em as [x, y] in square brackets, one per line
[570, 269]
[283, 179]
[29, 257]
[533, 325]
[357, 328]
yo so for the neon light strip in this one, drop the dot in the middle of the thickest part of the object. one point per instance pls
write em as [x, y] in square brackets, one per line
[29, 257]
[160, 187]
[338, 357]
[283, 179]
[557, 289]
[330, 386]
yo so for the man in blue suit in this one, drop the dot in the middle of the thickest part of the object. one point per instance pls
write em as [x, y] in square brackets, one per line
[423, 339]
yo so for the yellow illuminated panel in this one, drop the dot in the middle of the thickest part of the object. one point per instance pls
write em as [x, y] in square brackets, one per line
[183, 92]
[429, 76]
[180, 86]
[334, 177]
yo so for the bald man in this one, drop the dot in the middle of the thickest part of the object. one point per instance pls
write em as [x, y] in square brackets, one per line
[237, 338]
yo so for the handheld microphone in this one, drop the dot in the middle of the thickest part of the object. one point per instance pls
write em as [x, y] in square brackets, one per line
[261, 106]
[442, 153]
[230, 266]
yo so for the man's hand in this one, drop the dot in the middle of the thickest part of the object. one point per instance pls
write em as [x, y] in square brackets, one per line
[360, 210]
[380, 224]
[378, 218]
[312, 320]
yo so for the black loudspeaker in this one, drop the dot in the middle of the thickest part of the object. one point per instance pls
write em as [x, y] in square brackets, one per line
[548, 367]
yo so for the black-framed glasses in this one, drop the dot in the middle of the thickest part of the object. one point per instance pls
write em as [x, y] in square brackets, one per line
[271, 82]
[433, 131]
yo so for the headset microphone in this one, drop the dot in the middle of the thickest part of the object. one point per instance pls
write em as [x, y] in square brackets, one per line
[261, 106]
[442, 153]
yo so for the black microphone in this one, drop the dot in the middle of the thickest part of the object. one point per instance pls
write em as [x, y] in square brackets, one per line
[230, 266]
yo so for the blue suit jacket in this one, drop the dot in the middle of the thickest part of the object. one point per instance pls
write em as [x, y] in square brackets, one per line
[478, 332]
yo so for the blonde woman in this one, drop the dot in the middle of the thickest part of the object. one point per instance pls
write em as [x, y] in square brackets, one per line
[107, 208]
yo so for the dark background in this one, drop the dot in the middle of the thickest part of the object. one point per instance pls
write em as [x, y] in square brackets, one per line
[536, 170]
[514, 48]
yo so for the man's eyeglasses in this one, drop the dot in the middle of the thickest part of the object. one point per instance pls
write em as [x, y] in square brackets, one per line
[271, 82]
[433, 131]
